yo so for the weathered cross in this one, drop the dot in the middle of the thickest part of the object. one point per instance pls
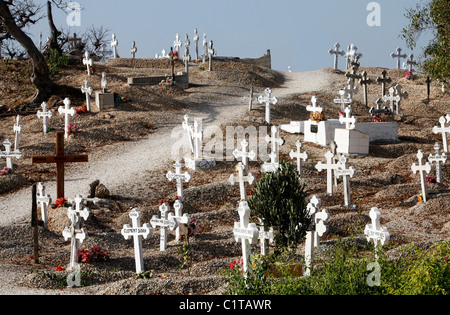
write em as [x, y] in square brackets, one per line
[114, 44]
[268, 100]
[410, 62]
[299, 156]
[375, 232]
[133, 50]
[245, 155]
[86, 89]
[137, 232]
[392, 98]
[44, 114]
[180, 217]
[343, 171]
[348, 120]
[438, 158]
[17, 131]
[44, 201]
[87, 62]
[263, 236]
[364, 81]
[66, 111]
[398, 91]
[399, 57]
[246, 232]
[383, 80]
[179, 177]
[242, 179]
[336, 52]
[59, 159]
[177, 43]
[166, 221]
[8, 154]
[444, 130]
[421, 169]
[275, 151]
[376, 112]
[330, 167]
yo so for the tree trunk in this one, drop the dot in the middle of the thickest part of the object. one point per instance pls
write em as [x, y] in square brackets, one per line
[41, 76]
[54, 33]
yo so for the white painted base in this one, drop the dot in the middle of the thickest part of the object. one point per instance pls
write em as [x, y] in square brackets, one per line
[294, 127]
[325, 131]
[387, 131]
[351, 142]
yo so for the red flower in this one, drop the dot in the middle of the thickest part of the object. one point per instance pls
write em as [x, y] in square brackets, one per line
[59, 268]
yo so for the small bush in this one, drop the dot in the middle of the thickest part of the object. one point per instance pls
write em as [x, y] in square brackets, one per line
[56, 61]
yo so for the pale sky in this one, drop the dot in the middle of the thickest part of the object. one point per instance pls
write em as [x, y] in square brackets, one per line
[299, 33]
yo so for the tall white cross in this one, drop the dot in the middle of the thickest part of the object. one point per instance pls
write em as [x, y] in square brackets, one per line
[263, 236]
[374, 231]
[343, 171]
[177, 43]
[348, 120]
[205, 47]
[104, 82]
[166, 221]
[444, 130]
[246, 232]
[87, 62]
[179, 177]
[210, 54]
[268, 100]
[438, 158]
[190, 130]
[187, 44]
[275, 151]
[245, 155]
[196, 39]
[86, 89]
[44, 201]
[299, 156]
[133, 50]
[242, 179]
[410, 62]
[66, 111]
[137, 232]
[44, 114]
[399, 57]
[17, 130]
[336, 52]
[197, 136]
[182, 219]
[114, 44]
[331, 167]
[392, 98]
[8, 154]
[421, 169]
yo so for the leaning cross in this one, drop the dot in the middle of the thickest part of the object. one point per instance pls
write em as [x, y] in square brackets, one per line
[438, 158]
[336, 52]
[269, 100]
[375, 232]
[87, 62]
[399, 57]
[383, 80]
[422, 168]
[444, 130]
[392, 98]
[59, 159]
[179, 177]
[44, 114]
[166, 221]
[137, 232]
[66, 111]
[343, 171]
[88, 91]
[299, 156]
[242, 180]
[330, 167]
[17, 131]
[44, 201]
[8, 154]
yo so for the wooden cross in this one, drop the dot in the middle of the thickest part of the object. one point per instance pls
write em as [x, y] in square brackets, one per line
[392, 98]
[410, 62]
[348, 120]
[8, 154]
[17, 130]
[87, 62]
[269, 100]
[263, 236]
[60, 159]
[330, 167]
[444, 130]
[75, 41]
[242, 179]
[246, 232]
[137, 232]
[88, 91]
[44, 114]
[383, 80]
[399, 57]
[336, 52]
[66, 111]
[182, 219]
[166, 221]
[364, 81]
[438, 158]
[245, 155]
[375, 232]
[428, 81]
[179, 177]
[44, 201]
[133, 50]
[378, 111]
[343, 171]
[299, 156]
[421, 169]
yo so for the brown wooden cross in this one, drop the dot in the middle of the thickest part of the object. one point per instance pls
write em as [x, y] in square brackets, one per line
[59, 159]
[75, 41]
[383, 80]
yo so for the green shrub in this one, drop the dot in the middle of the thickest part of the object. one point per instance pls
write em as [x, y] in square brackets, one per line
[56, 61]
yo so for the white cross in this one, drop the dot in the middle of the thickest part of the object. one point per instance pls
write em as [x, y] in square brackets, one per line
[137, 232]
[375, 232]
[342, 100]
[177, 43]
[263, 236]
[114, 44]
[244, 154]
[44, 201]
[205, 47]
[66, 111]
[343, 171]
[422, 168]
[104, 82]
[438, 158]
[336, 52]
[166, 221]
[399, 57]
[269, 100]
[187, 44]
[392, 98]
[8, 154]
[348, 120]
[182, 219]
[196, 39]
[133, 50]
[398, 91]
[210, 54]
[190, 130]
[44, 114]
[330, 167]
[275, 151]
[88, 91]
[410, 62]
[444, 130]
[242, 180]
[352, 55]
[84, 213]
[17, 131]
[87, 62]
[299, 156]
[246, 232]
[179, 177]
[197, 136]
[314, 108]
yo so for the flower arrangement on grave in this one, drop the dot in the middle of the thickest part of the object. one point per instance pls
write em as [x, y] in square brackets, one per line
[72, 130]
[5, 171]
[95, 254]
[317, 117]
[431, 180]
[379, 119]
[167, 82]
[341, 113]
[81, 110]
[257, 268]
[150, 275]
[410, 75]
[170, 202]
[120, 99]
[92, 69]
[61, 203]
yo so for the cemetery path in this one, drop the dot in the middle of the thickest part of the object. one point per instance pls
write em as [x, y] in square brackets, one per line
[123, 167]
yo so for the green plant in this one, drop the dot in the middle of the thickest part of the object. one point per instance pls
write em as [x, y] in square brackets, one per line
[280, 201]
[56, 61]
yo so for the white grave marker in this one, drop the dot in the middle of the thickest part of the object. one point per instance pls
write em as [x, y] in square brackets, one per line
[114, 44]
[410, 62]
[177, 43]
[86, 89]
[314, 108]
[342, 100]
[17, 130]
[268, 100]
[375, 232]
[44, 201]
[275, 151]
[444, 130]
[438, 158]
[399, 57]
[263, 236]
[66, 111]
[330, 167]
[421, 169]
[343, 171]
[392, 98]
[245, 155]
[242, 179]
[133, 50]
[190, 130]
[336, 52]
[45, 114]
[299, 156]
[166, 221]
[87, 62]
[9, 155]
[182, 219]
[348, 120]
[196, 39]
[179, 177]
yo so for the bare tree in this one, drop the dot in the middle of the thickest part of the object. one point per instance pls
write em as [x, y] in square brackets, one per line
[97, 36]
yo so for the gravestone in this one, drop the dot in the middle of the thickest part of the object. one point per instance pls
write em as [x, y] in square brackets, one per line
[8, 154]
[374, 232]
[444, 130]
[17, 131]
[66, 111]
[383, 80]
[87, 62]
[330, 167]
[45, 115]
[179, 177]
[245, 232]
[182, 219]
[438, 158]
[103, 99]
[268, 100]
[421, 168]
[392, 98]
[86, 89]
[399, 57]
[274, 163]
[166, 221]
[137, 232]
[44, 201]
[398, 92]
[343, 171]
[299, 156]
[241, 179]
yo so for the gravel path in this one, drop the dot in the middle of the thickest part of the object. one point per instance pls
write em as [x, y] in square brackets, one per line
[121, 166]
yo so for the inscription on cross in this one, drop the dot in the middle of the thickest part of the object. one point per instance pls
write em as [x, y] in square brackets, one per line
[166, 221]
